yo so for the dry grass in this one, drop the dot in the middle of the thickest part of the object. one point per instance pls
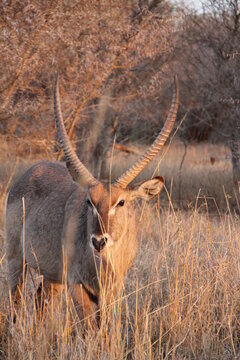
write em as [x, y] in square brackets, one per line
[187, 170]
[181, 298]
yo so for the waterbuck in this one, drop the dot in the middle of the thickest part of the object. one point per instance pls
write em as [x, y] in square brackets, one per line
[57, 215]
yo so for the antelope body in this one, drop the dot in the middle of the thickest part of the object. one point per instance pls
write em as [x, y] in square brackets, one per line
[57, 216]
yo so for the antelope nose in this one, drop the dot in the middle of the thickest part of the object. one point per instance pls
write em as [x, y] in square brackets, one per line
[99, 244]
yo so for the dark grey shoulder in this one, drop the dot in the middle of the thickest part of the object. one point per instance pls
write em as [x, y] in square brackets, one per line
[41, 179]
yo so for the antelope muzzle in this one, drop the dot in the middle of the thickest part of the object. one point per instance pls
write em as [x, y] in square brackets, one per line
[99, 243]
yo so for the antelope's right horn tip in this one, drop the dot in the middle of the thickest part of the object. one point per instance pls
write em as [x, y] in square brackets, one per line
[56, 78]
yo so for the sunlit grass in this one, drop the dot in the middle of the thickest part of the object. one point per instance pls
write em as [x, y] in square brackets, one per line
[181, 298]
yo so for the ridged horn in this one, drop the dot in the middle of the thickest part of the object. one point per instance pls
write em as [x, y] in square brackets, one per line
[85, 176]
[153, 150]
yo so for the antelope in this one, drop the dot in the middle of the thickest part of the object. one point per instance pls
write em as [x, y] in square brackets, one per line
[70, 217]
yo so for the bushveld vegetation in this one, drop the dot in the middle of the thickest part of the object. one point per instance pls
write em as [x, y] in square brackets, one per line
[181, 298]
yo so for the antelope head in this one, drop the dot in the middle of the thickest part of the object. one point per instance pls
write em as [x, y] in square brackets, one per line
[110, 203]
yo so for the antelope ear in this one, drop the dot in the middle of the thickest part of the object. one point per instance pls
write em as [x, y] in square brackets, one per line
[150, 188]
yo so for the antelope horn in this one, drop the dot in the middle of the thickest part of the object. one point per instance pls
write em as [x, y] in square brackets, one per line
[153, 150]
[69, 153]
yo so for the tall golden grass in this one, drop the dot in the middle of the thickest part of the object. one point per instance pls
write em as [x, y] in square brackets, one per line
[181, 298]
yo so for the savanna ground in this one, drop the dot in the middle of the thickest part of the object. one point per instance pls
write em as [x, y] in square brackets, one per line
[182, 295]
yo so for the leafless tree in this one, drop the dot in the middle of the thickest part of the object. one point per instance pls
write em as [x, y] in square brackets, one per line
[208, 62]
[121, 49]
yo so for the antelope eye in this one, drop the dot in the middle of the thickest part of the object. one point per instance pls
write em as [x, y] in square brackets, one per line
[121, 203]
[89, 202]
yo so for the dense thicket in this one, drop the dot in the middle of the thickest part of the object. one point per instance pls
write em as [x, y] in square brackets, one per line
[98, 48]
[210, 74]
